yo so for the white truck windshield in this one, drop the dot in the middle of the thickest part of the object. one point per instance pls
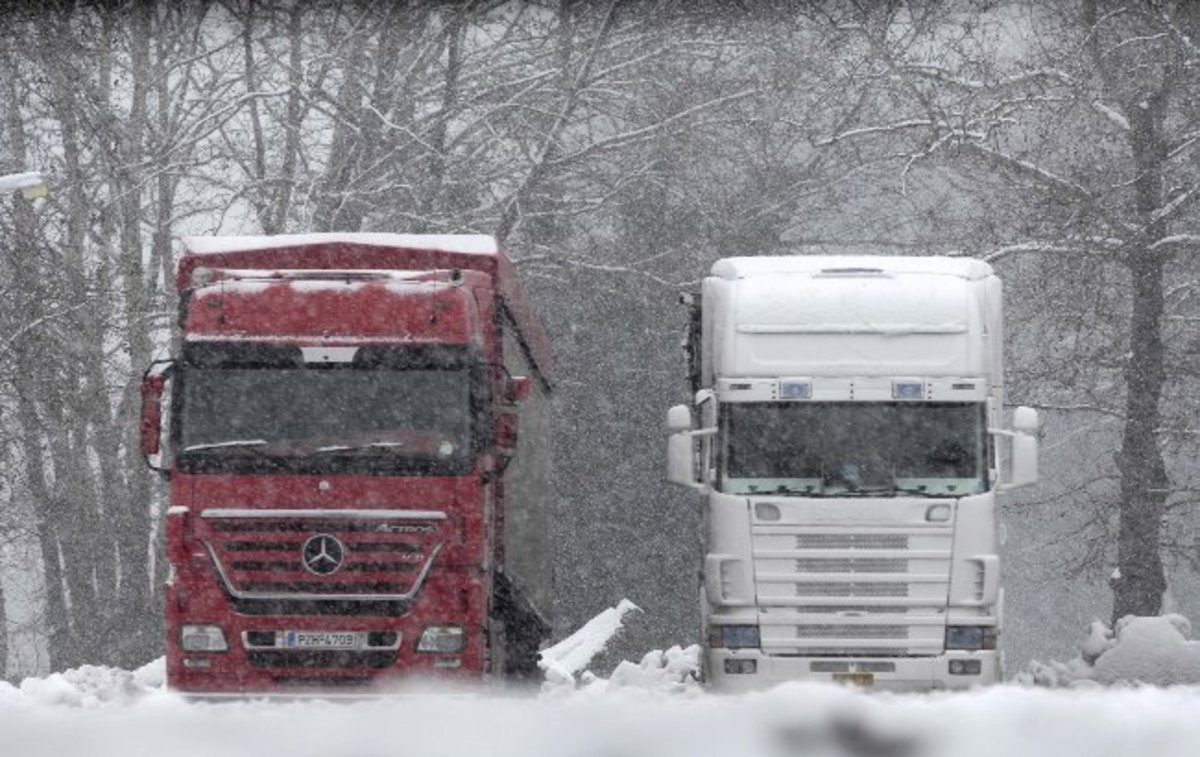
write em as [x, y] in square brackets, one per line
[853, 449]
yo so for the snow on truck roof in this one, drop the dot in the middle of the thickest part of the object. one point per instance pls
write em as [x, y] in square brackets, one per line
[811, 265]
[366, 252]
[475, 244]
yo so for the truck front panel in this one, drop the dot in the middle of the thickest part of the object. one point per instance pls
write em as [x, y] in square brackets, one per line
[319, 581]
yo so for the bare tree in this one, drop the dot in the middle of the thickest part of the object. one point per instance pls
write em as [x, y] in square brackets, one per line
[1094, 124]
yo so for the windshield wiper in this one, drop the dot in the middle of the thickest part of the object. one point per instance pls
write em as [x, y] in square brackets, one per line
[231, 444]
[331, 449]
[884, 491]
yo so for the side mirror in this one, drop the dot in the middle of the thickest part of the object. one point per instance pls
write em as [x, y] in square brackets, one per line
[1024, 447]
[1026, 419]
[154, 384]
[517, 389]
[682, 452]
[679, 418]
[681, 459]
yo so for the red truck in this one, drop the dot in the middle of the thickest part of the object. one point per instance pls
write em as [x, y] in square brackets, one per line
[351, 503]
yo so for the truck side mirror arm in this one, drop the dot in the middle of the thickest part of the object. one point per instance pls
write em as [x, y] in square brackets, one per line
[517, 389]
[510, 389]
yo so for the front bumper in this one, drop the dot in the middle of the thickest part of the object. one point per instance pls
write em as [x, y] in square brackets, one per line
[448, 598]
[874, 673]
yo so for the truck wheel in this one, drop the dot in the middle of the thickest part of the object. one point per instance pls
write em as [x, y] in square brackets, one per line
[523, 642]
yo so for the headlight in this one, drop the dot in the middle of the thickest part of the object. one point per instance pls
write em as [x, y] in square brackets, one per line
[733, 637]
[970, 637]
[442, 640]
[202, 639]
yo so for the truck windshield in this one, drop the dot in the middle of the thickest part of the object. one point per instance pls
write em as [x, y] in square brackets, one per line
[379, 416]
[853, 449]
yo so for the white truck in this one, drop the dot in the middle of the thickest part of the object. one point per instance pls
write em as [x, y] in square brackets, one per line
[848, 448]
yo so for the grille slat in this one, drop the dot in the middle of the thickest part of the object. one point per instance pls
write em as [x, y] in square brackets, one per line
[267, 525]
[839, 631]
[294, 566]
[851, 565]
[811, 589]
[851, 541]
[321, 659]
[864, 609]
[320, 587]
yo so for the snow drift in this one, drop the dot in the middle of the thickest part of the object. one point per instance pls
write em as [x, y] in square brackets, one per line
[653, 707]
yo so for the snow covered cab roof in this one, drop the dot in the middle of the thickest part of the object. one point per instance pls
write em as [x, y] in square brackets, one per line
[376, 252]
[474, 244]
[737, 268]
[853, 316]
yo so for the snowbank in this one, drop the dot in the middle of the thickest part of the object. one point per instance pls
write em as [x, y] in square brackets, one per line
[88, 686]
[565, 664]
[652, 707]
[1153, 651]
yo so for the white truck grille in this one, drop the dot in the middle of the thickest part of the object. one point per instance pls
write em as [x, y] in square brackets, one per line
[826, 590]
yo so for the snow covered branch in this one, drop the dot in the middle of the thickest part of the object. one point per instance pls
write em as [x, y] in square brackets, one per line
[944, 76]
[1182, 241]
[1111, 114]
[911, 123]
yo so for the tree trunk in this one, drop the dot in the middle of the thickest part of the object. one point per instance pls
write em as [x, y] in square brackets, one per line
[1139, 584]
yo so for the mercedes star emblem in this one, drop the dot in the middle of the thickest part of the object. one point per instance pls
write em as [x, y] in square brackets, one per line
[323, 554]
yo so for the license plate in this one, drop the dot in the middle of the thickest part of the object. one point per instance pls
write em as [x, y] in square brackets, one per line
[855, 679]
[322, 639]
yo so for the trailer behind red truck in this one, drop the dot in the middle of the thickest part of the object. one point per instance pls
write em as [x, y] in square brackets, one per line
[350, 500]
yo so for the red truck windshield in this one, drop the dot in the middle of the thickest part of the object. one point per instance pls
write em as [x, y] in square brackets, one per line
[392, 412]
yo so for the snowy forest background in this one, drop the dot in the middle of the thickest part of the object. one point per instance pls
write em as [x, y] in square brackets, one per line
[616, 148]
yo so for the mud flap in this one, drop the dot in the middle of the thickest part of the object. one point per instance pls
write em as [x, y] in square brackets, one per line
[523, 630]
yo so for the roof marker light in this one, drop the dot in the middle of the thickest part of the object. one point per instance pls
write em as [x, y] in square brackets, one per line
[908, 390]
[795, 390]
[202, 275]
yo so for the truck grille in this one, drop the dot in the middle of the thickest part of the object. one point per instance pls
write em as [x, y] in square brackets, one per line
[825, 590]
[851, 541]
[294, 562]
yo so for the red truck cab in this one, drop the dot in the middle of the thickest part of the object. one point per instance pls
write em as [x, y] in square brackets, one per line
[356, 441]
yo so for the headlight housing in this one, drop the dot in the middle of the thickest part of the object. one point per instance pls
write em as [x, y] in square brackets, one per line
[734, 637]
[970, 637]
[198, 638]
[442, 640]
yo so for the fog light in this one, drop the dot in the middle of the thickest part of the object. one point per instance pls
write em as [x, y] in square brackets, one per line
[442, 640]
[741, 667]
[197, 662]
[966, 667]
[733, 637]
[938, 513]
[766, 511]
[202, 639]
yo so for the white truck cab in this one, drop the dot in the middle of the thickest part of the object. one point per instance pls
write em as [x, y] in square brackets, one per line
[846, 439]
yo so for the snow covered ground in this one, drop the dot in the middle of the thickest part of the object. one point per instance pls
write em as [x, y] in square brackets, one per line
[652, 707]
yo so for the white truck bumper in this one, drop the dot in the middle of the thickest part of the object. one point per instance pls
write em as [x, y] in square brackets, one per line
[760, 671]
